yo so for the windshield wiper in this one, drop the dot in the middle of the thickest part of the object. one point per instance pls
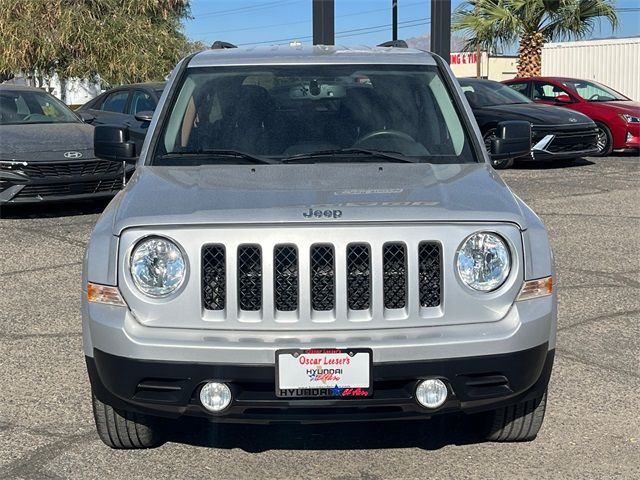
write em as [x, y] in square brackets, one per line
[371, 155]
[220, 153]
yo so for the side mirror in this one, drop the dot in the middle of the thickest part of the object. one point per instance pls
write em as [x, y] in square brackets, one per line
[563, 98]
[111, 142]
[86, 117]
[513, 140]
[144, 116]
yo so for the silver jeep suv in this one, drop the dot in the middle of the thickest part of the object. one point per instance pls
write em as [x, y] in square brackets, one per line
[315, 234]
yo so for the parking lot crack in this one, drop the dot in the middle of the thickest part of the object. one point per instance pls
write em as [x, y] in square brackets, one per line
[599, 318]
[585, 361]
[40, 269]
[33, 464]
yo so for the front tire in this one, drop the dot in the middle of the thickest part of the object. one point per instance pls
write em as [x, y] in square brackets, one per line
[497, 164]
[120, 429]
[516, 423]
[605, 140]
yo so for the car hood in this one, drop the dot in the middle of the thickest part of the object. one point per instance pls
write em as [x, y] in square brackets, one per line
[623, 106]
[274, 194]
[538, 114]
[20, 142]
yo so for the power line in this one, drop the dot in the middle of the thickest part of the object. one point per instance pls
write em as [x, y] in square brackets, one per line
[349, 33]
[248, 8]
[262, 27]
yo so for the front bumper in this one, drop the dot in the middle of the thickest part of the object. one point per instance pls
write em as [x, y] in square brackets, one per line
[57, 181]
[171, 389]
[561, 143]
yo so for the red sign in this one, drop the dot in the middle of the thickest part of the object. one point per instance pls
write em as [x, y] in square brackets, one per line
[467, 58]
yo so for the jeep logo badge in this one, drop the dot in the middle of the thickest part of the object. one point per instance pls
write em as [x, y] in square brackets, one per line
[72, 154]
[322, 213]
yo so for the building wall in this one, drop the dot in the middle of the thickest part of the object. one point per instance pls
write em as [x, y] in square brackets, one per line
[497, 68]
[615, 62]
[79, 91]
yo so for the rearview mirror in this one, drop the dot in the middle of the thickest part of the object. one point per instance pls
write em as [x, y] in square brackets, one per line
[86, 117]
[144, 116]
[111, 142]
[513, 140]
[563, 99]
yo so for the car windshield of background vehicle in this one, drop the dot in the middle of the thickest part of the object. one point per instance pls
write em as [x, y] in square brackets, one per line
[594, 92]
[489, 94]
[337, 113]
[17, 108]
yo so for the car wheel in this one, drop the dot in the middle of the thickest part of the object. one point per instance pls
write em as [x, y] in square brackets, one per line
[516, 423]
[126, 430]
[497, 164]
[605, 140]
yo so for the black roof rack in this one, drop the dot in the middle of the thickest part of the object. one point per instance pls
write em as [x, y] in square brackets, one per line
[395, 43]
[220, 45]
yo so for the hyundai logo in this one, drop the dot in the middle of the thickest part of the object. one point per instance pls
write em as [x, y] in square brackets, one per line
[72, 154]
[573, 120]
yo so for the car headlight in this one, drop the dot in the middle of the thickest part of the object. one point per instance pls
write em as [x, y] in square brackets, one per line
[483, 261]
[630, 118]
[158, 267]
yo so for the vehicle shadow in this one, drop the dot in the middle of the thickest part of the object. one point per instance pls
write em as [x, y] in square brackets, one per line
[53, 209]
[430, 434]
[551, 164]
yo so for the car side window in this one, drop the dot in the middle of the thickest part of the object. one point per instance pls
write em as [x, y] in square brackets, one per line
[547, 91]
[520, 87]
[115, 102]
[140, 102]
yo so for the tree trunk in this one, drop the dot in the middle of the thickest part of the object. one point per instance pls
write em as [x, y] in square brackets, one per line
[530, 55]
[63, 89]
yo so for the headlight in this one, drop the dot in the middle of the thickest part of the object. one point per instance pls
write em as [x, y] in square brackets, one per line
[483, 261]
[630, 118]
[158, 267]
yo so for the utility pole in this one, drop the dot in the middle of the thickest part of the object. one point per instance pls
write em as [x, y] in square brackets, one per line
[394, 9]
[323, 22]
[478, 52]
[441, 28]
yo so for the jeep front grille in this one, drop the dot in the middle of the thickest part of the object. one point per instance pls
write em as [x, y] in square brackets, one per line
[395, 275]
[359, 276]
[323, 277]
[429, 274]
[250, 278]
[285, 278]
[287, 288]
[213, 277]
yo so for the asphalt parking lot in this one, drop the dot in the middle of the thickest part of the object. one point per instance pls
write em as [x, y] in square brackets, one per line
[592, 428]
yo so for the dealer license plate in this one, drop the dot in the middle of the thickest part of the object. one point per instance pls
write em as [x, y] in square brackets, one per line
[324, 373]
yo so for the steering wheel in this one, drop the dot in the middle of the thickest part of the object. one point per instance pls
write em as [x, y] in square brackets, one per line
[381, 134]
[595, 96]
[35, 116]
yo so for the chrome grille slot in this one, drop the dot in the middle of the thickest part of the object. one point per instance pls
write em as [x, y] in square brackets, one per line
[394, 258]
[429, 274]
[213, 277]
[250, 277]
[322, 277]
[358, 276]
[285, 273]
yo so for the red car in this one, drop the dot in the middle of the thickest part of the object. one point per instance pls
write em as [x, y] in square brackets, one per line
[617, 117]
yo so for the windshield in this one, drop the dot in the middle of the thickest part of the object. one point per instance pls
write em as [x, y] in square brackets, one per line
[322, 113]
[593, 92]
[485, 93]
[28, 106]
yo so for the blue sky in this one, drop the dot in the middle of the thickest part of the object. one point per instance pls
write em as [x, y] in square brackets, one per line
[277, 21]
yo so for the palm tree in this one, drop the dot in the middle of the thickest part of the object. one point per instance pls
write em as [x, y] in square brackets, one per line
[494, 23]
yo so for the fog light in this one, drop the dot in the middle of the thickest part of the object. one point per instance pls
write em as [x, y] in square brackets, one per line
[215, 396]
[431, 393]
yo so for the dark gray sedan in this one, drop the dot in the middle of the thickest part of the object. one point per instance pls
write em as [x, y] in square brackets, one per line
[46, 151]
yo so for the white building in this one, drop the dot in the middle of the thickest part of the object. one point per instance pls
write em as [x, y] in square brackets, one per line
[614, 62]
[78, 91]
